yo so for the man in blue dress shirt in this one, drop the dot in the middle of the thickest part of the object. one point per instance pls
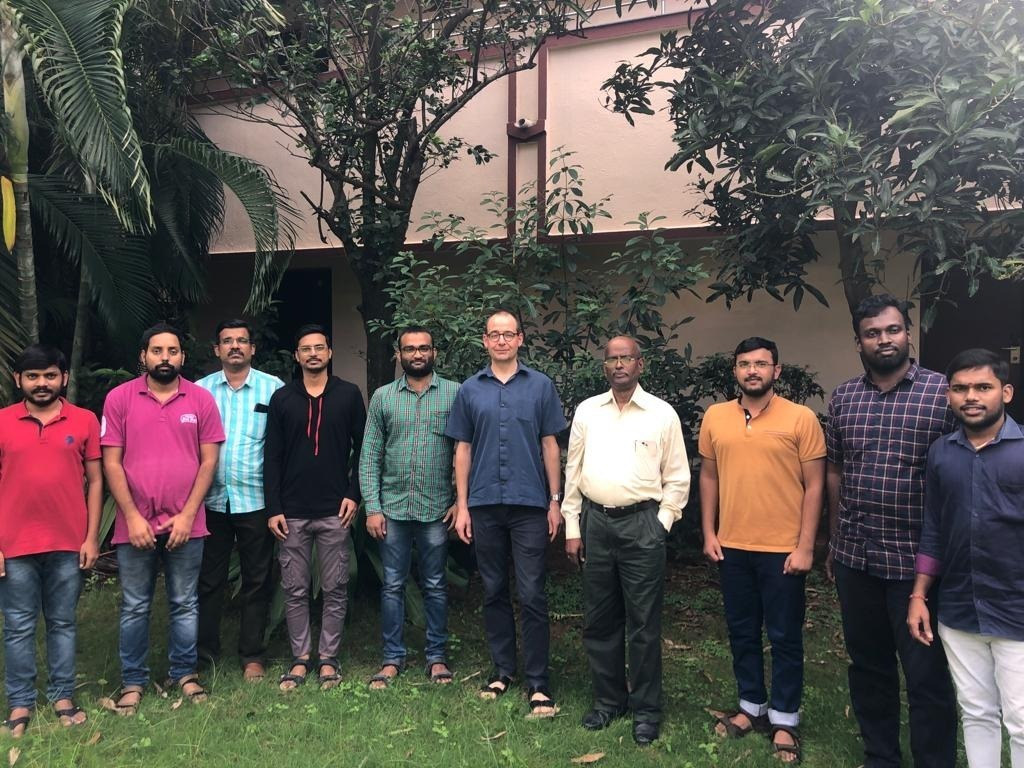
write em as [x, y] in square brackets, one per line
[508, 479]
[972, 537]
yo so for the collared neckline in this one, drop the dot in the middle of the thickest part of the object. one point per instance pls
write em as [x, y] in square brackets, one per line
[910, 375]
[143, 389]
[403, 383]
[224, 380]
[1009, 431]
[487, 372]
[639, 398]
[59, 417]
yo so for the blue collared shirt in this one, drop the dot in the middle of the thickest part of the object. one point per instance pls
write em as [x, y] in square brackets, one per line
[974, 528]
[238, 483]
[504, 423]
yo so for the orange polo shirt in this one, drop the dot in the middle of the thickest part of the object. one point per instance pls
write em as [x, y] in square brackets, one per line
[760, 475]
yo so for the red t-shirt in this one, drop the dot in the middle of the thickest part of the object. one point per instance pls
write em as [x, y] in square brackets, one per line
[42, 479]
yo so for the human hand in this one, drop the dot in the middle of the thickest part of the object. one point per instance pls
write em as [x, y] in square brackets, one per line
[574, 551]
[278, 526]
[88, 554]
[712, 548]
[798, 562]
[377, 526]
[919, 621]
[464, 525]
[347, 511]
[140, 534]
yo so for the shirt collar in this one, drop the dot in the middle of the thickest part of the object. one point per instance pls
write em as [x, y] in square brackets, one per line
[26, 414]
[639, 398]
[222, 378]
[488, 373]
[403, 383]
[1009, 431]
[143, 389]
[910, 375]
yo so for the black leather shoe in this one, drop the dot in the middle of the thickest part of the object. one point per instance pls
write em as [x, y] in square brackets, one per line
[645, 734]
[598, 719]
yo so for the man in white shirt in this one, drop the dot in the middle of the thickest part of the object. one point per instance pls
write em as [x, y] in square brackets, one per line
[627, 473]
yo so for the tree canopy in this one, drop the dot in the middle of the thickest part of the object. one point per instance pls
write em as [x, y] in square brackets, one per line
[364, 91]
[900, 116]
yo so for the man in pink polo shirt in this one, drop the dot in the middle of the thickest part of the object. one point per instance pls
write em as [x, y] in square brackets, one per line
[161, 437]
[48, 529]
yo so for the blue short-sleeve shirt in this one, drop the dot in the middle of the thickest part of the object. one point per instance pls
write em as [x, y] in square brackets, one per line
[504, 424]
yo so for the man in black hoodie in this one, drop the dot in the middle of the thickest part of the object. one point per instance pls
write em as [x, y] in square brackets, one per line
[310, 472]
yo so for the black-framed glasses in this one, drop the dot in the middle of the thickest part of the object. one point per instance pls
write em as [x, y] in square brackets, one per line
[241, 341]
[422, 349]
[506, 335]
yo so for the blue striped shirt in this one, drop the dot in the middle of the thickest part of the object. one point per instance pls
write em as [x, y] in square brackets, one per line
[238, 484]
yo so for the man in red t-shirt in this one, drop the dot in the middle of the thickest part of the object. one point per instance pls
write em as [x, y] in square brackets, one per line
[48, 530]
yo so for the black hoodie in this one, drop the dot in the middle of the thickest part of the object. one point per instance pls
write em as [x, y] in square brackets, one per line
[311, 455]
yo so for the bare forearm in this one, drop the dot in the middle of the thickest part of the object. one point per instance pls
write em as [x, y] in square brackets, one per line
[94, 501]
[552, 456]
[708, 500]
[117, 482]
[810, 510]
[463, 462]
[204, 478]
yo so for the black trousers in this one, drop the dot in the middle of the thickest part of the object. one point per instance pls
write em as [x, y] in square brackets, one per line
[875, 627]
[623, 591]
[255, 554]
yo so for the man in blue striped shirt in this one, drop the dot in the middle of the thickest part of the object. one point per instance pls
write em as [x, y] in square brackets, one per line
[235, 508]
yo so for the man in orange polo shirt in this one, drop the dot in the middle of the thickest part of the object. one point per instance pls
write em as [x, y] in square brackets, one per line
[762, 481]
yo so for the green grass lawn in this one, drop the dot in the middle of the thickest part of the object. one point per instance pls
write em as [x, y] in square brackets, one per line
[415, 723]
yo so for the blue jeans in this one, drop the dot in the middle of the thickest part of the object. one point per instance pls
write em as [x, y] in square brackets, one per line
[431, 541]
[138, 569]
[756, 592]
[50, 581]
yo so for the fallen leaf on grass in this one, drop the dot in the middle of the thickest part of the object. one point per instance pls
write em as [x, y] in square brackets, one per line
[177, 703]
[846, 712]
[94, 739]
[495, 737]
[400, 731]
[590, 757]
[108, 704]
[13, 755]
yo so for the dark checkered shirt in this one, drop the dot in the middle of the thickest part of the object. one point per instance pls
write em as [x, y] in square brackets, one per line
[881, 440]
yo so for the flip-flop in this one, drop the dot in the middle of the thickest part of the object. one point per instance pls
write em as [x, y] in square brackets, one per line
[69, 713]
[442, 677]
[125, 710]
[196, 696]
[18, 722]
[758, 724]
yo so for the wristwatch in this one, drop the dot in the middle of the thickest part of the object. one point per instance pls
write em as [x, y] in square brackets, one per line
[556, 497]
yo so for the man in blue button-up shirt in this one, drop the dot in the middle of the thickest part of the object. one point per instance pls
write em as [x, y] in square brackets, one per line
[972, 537]
[507, 479]
[235, 508]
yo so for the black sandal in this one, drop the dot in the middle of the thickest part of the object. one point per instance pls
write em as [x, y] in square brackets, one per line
[758, 724]
[17, 722]
[295, 680]
[331, 679]
[69, 713]
[544, 701]
[445, 676]
[791, 749]
[489, 690]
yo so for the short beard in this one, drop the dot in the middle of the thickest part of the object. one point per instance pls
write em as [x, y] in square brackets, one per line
[163, 376]
[426, 370]
[50, 400]
[765, 388]
[885, 364]
[988, 421]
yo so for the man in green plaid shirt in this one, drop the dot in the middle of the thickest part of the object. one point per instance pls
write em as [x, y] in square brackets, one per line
[405, 475]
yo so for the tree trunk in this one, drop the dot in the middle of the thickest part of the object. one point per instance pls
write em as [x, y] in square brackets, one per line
[17, 155]
[81, 336]
[380, 353]
[856, 283]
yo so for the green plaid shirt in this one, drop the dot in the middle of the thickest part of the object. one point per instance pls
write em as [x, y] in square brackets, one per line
[405, 469]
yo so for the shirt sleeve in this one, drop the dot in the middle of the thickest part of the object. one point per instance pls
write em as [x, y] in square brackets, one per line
[552, 415]
[704, 445]
[833, 437]
[675, 473]
[572, 504]
[112, 428]
[460, 425]
[92, 438]
[371, 457]
[357, 426]
[929, 549]
[812, 439]
[211, 428]
[273, 456]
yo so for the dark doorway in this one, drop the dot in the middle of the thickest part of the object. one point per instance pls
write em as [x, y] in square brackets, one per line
[993, 318]
[305, 297]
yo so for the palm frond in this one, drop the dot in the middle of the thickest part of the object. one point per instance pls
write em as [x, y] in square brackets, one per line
[12, 336]
[82, 227]
[76, 57]
[272, 217]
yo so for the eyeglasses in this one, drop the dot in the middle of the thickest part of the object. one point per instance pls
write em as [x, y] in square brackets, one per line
[241, 341]
[761, 365]
[506, 335]
[611, 362]
[314, 348]
[422, 349]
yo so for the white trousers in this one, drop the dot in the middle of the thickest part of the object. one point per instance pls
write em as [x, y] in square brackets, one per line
[989, 674]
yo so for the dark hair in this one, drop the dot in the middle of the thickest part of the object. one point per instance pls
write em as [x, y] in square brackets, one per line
[309, 328]
[413, 329]
[39, 357]
[502, 311]
[980, 358]
[875, 305]
[756, 342]
[156, 330]
[235, 323]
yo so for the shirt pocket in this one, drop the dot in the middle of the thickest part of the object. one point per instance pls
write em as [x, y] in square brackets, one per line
[256, 426]
[646, 458]
[438, 422]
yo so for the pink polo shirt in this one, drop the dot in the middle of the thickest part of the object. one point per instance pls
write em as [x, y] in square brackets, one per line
[161, 447]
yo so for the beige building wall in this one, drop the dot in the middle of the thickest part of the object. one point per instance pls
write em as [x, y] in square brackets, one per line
[618, 160]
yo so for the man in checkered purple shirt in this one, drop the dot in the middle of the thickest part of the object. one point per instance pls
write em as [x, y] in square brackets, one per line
[880, 425]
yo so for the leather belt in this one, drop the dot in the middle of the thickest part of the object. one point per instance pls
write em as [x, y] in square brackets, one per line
[617, 512]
